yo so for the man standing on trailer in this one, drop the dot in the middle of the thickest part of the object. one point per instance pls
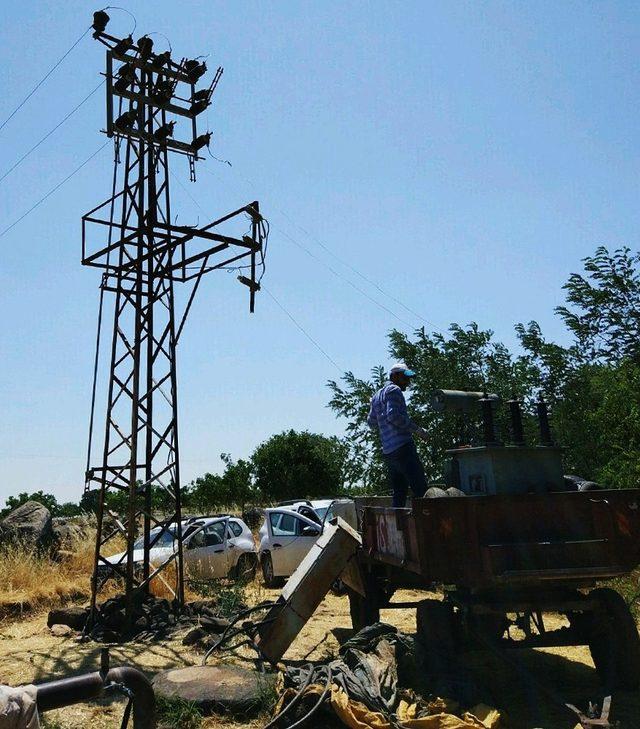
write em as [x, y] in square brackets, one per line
[388, 414]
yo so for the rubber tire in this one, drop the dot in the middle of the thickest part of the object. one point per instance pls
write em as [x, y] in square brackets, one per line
[245, 568]
[267, 573]
[614, 641]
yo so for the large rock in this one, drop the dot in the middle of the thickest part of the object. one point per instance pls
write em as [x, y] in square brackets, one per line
[29, 524]
[217, 689]
[73, 616]
[67, 530]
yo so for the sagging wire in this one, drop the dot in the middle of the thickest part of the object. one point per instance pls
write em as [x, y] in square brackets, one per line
[49, 133]
[157, 32]
[42, 80]
[304, 331]
[116, 162]
[54, 189]
[128, 12]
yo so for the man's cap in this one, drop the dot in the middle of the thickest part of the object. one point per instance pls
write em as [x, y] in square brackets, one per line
[401, 367]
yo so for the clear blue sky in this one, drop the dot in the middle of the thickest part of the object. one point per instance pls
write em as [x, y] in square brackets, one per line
[464, 155]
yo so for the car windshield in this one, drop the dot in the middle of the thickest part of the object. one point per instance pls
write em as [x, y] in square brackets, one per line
[322, 512]
[165, 540]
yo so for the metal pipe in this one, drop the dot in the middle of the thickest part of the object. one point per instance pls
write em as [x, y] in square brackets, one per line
[67, 691]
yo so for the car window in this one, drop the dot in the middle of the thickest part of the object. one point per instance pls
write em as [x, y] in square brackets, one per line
[283, 525]
[300, 525]
[197, 540]
[165, 540]
[214, 534]
[235, 528]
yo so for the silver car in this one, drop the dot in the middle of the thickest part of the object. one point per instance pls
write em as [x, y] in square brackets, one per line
[213, 547]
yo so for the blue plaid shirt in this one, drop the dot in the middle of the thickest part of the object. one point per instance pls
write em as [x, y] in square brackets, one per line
[388, 413]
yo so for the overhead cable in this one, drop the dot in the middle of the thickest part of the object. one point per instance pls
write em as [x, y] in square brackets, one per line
[303, 330]
[345, 279]
[370, 281]
[365, 278]
[42, 80]
[53, 189]
[49, 133]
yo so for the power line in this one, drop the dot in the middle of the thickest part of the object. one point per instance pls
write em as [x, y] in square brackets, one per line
[321, 262]
[368, 280]
[303, 330]
[49, 133]
[345, 279]
[57, 187]
[42, 80]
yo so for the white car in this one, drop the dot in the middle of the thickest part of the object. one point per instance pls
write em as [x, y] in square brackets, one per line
[213, 547]
[324, 509]
[289, 531]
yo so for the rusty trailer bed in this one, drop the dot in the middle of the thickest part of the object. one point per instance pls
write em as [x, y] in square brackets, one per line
[563, 538]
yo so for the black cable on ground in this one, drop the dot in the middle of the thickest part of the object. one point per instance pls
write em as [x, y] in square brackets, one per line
[227, 635]
[299, 694]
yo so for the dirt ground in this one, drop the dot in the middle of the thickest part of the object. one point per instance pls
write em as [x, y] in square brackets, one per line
[29, 653]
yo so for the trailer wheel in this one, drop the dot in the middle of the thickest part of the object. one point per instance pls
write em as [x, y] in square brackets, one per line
[613, 641]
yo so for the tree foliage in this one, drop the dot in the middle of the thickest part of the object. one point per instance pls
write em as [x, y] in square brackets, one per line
[593, 385]
[298, 465]
[47, 500]
[605, 318]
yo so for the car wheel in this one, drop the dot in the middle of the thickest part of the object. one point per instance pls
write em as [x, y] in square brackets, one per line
[268, 577]
[245, 568]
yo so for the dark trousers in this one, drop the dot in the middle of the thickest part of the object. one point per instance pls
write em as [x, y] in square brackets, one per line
[404, 471]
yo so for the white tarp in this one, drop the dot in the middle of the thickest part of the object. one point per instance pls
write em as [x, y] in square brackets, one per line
[18, 708]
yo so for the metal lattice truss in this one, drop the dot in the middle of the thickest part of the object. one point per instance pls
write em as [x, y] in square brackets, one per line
[143, 255]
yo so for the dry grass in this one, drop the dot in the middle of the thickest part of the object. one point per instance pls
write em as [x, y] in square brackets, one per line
[33, 581]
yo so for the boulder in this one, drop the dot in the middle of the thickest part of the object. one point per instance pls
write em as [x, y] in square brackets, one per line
[67, 530]
[216, 689]
[74, 617]
[29, 524]
[61, 631]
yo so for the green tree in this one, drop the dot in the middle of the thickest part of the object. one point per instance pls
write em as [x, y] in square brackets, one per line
[593, 385]
[605, 318]
[299, 464]
[214, 492]
[465, 358]
[48, 500]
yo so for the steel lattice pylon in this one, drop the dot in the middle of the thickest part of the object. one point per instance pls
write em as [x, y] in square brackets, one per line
[144, 256]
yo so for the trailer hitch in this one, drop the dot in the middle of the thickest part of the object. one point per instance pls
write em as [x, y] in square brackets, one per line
[126, 680]
[591, 720]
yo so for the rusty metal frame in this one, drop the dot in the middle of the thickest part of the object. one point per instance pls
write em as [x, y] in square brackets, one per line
[143, 256]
